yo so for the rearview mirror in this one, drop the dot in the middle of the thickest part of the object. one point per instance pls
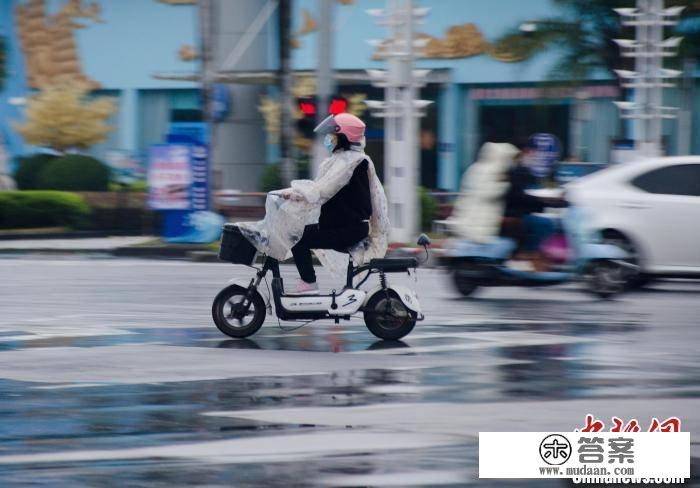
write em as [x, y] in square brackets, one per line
[423, 240]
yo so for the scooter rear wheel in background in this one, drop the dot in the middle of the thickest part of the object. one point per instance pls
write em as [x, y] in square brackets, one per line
[230, 316]
[463, 279]
[387, 317]
[605, 278]
[635, 279]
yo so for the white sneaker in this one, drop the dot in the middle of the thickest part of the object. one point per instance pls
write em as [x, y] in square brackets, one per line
[517, 265]
[304, 288]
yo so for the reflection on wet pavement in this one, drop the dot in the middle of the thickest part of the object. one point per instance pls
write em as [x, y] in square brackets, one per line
[94, 395]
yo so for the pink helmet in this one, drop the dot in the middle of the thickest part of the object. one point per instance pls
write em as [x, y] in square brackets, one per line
[347, 124]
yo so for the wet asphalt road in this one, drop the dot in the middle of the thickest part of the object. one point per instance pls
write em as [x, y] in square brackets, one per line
[112, 374]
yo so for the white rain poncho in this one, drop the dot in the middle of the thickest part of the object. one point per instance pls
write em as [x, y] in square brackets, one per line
[285, 219]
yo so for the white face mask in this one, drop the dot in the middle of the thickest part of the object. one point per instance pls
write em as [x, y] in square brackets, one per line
[330, 142]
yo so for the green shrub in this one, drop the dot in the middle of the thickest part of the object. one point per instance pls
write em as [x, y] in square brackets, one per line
[271, 178]
[272, 174]
[75, 172]
[428, 206]
[135, 187]
[30, 168]
[24, 209]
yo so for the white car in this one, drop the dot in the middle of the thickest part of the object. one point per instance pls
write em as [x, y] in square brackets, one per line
[649, 207]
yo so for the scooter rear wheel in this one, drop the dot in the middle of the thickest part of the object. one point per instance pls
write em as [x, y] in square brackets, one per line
[387, 317]
[230, 314]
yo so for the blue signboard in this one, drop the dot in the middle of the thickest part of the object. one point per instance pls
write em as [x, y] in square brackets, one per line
[545, 150]
[199, 162]
[178, 182]
[221, 101]
[178, 177]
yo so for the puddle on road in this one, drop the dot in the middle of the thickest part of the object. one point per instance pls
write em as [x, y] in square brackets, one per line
[492, 367]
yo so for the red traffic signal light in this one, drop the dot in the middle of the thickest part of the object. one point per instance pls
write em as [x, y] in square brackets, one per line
[338, 106]
[307, 106]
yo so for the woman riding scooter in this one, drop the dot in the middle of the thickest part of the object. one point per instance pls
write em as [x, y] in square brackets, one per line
[344, 209]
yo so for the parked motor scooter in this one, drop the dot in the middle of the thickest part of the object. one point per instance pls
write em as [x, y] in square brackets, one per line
[390, 311]
[602, 267]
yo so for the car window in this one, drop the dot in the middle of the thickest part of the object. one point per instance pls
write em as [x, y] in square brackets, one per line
[680, 179]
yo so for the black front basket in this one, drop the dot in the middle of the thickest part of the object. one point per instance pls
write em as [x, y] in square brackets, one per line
[235, 248]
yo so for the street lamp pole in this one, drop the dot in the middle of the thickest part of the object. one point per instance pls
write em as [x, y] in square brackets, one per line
[324, 75]
[285, 39]
[649, 77]
[400, 110]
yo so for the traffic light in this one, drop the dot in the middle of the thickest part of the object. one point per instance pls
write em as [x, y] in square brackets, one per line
[338, 105]
[307, 105]
[308, 108]
[307, 122]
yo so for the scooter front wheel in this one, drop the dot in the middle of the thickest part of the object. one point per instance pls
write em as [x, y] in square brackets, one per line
[387, 317]
[238, 316]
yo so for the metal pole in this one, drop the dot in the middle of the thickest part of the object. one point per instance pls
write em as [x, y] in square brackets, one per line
[656, 64]
[410, 149]
[640, 93]
[206, 34]
[391, 106]
[285, 139]
[324, 74]
[685, 126]
[401, 131]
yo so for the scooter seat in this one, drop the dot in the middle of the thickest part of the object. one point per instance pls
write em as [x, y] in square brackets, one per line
[393, 264]
[499, 248]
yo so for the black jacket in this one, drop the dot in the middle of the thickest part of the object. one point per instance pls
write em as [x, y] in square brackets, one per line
[518, 202]
[351, 205]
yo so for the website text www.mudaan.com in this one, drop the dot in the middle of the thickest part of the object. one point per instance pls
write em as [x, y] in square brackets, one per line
[603, 475]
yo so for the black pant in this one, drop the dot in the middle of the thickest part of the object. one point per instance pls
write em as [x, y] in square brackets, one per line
[314, 237]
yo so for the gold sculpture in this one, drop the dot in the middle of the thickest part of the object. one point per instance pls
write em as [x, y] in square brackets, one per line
[460, 41]
[187, 53]
[48, 41]
[509, 50]
[308, 26]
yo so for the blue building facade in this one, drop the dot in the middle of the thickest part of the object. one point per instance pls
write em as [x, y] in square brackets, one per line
[480, 96]
[477, 95]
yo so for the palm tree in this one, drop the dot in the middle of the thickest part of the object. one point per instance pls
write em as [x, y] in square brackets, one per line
[583, 36]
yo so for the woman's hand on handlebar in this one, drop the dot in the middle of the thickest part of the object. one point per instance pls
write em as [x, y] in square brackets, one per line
[288, 194]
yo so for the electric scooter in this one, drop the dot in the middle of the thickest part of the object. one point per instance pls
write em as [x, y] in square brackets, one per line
[603, 268]
[390, 311]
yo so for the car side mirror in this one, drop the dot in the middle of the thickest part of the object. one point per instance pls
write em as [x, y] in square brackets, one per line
[423, 240]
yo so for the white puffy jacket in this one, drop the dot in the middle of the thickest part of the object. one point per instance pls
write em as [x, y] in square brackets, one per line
[478, 213]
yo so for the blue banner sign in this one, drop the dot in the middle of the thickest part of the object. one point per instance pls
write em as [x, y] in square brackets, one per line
[178, 177]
